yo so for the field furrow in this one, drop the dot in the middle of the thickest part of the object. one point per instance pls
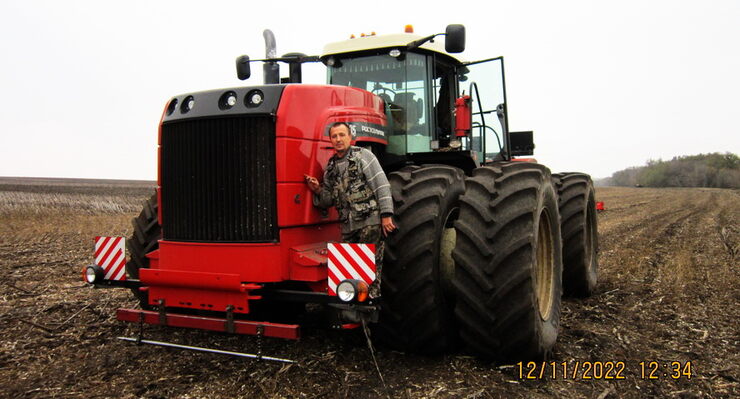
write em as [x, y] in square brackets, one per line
[669, 291]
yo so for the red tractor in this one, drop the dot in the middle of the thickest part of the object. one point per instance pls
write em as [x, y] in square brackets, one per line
[486, 243]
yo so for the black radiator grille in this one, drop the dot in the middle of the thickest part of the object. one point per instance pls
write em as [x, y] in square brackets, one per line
[218, 180]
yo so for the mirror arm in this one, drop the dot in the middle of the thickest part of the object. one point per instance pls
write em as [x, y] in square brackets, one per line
[310, 58]
[418, 43]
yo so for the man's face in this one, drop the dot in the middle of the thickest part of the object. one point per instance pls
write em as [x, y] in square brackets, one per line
[340, 139]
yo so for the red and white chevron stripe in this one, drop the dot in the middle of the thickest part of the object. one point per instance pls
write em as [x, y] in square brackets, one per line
[111, 256]
[350, 261]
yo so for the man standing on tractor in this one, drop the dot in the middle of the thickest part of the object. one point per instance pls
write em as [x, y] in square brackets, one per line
[356, 185]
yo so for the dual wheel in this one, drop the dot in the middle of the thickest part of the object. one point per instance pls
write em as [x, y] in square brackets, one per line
[577, 205]
[478, 262]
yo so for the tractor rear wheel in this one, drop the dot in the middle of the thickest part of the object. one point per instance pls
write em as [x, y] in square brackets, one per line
[508, 262]
[417, 296]
[144, 240]
[578, 227]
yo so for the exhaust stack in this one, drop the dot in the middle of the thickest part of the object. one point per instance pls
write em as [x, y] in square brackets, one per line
[271, 69]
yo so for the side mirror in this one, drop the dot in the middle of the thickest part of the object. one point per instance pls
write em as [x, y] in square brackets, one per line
[455, 38]
[243, 70]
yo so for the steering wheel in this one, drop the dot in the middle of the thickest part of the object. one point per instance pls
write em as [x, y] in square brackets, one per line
[382, 90]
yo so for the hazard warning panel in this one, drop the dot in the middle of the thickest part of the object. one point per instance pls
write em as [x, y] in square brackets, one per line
[350, 261]
[111, 256]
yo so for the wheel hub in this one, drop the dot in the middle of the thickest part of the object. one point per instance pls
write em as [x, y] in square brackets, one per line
[544, 269]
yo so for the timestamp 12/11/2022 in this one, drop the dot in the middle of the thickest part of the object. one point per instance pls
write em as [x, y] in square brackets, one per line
[610, 370]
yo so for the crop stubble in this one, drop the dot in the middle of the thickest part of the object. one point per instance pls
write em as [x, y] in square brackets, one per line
[668, 291]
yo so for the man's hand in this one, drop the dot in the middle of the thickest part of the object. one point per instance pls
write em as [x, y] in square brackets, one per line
[388, 226]
[313, 184]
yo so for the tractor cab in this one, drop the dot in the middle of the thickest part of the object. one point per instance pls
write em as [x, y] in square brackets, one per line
[435, 102]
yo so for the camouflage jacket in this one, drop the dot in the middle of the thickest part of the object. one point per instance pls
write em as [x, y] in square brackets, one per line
[360, 191]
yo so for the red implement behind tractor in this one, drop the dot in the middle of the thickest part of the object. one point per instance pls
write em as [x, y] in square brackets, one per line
[231, 240]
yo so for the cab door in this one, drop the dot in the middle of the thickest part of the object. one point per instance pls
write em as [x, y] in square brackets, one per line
[484, 82]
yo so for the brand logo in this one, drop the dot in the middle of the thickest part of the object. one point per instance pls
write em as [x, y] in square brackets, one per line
[369, 130]
[361, 129]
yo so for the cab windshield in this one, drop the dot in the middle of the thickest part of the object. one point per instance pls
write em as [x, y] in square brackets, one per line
[402, 84]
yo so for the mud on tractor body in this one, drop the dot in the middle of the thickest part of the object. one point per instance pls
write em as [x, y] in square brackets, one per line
[486, 241]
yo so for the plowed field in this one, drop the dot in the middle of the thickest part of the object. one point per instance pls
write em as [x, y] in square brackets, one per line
[669, 291]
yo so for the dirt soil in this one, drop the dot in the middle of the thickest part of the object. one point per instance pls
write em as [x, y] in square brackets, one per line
[669, 291]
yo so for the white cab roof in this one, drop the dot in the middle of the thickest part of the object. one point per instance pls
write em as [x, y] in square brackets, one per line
[384, 41]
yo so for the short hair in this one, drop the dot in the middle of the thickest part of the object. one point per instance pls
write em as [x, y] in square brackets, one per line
[345, 124]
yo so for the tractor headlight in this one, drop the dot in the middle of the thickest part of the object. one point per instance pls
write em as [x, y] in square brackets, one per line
[187, 104]
[350, 290]
[227, 100]
[346, 291]
[255, 98]
[93, 274]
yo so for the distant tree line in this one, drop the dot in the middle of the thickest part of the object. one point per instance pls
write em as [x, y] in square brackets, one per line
[703, 170]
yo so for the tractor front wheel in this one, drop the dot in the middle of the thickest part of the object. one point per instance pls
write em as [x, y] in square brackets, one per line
[144, 240]
[417, 298]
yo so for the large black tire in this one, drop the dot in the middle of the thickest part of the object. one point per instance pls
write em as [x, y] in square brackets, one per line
[145, 239]
[508, 262]
[580, 238]
[417, 297]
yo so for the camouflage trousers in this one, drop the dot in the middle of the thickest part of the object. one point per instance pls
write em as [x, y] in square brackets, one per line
[370, 235]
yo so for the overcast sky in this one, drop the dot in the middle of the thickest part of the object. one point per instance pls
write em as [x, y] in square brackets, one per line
[604, 85]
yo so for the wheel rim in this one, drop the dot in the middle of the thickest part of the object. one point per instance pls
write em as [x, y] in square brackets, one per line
[447, 244]
[544, 270]
[590, 234]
